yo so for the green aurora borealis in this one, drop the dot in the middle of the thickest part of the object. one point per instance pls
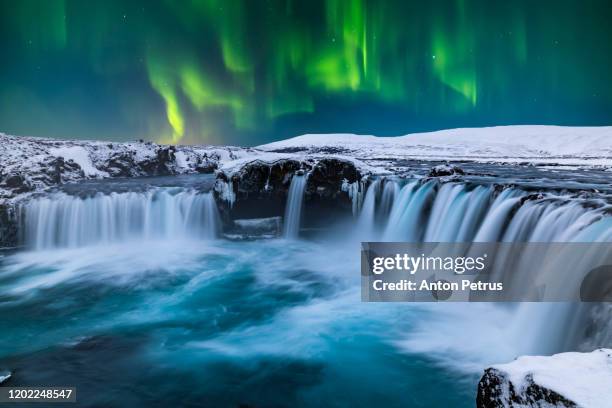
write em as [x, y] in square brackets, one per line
[247, 72]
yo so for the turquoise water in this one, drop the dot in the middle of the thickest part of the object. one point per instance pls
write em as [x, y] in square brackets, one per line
[130, 298]
[262, 323]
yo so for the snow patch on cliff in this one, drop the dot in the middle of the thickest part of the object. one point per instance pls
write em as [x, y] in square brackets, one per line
[32, 164]
[80, 156]
[583, 378]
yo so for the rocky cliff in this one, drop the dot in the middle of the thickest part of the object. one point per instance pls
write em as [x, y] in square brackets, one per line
[561, 380]
[250, 183]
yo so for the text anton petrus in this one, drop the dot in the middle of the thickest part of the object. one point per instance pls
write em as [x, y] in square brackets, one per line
[434, 272]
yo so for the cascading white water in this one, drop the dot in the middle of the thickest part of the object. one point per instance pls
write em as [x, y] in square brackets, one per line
[456, 212]
[60, 220]
[293, 209]
[407, 216]
[365, 222]
[390, 192]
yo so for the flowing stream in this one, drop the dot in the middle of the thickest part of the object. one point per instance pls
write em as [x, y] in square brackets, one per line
[135, 298]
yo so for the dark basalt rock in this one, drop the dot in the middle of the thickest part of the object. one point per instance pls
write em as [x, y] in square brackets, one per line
[531, 197]
[9, 231]
[290, 150]
[124, 164]
[261, 189]
[54, 171]
[327, 177]
[121, 165]
[496, 390]
[325, 202]
[265, 179]
[58, 169]
[446, 170]
[161, 164]
[206, 167]
[17, 183]
[259, 179]
[165, 156]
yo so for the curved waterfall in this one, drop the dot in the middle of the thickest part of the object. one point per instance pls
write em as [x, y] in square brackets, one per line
[417, 211]
[62, 220]
[388, 210]
[459, 212]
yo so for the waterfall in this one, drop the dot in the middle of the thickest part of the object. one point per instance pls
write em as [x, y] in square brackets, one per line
[60, 220]
[497, 217]
[293, 210]
[366, 220]
[458, 212]
[355, 193]
[390, 192]
[407, 218]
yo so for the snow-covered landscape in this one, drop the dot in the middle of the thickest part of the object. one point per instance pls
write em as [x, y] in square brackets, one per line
[304, 204]
[35, 159]
[545, 145]
[127, 219]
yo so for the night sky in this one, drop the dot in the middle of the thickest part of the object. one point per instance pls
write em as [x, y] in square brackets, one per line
[249, 72]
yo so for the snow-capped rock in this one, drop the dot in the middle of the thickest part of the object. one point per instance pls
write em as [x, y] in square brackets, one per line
[444, 170]
[30, 164]
[79, 156]
[257, 186]
[5, 375]
[562, 380]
